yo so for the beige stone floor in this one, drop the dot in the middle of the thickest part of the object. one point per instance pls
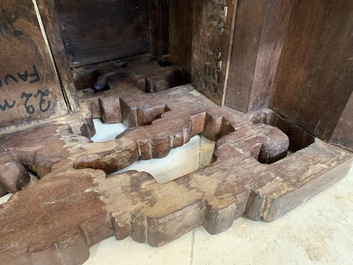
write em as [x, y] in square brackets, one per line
[318, 232]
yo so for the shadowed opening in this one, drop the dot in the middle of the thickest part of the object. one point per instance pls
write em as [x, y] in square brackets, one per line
[298, 137]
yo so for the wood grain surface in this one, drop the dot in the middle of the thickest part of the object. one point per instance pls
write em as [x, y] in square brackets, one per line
[74, 205]
[30, 89]
[99, 31]
[314, 77]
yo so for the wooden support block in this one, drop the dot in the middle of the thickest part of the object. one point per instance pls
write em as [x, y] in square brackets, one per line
[75, 204]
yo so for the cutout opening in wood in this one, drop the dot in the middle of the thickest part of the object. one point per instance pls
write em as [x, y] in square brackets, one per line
[196, 154]
[298, 137]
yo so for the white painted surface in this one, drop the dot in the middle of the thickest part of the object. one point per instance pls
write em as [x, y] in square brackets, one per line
[5, 198]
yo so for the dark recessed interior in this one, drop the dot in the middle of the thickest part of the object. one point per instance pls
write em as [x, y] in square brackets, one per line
[104, 36]
[298, 137]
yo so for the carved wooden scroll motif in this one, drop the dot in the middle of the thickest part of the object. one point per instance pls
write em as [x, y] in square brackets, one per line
[212, 36]
[75, 205]
[29, 87]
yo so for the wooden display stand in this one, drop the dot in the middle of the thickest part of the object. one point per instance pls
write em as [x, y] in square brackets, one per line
[204, 73]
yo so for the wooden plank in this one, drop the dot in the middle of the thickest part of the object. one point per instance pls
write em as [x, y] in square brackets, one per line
[247, 37]
[51, 25]
[314, 78]
[258, 40]
[75, 205]
[30, 89]
[159, 26]
[99, 31]
[180, 32]
[213, 26]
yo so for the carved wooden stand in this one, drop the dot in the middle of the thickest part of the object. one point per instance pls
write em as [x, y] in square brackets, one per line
[292, 56]
[75, 205]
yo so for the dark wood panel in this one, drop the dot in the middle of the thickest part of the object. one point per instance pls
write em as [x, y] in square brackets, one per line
[180, 32]
[343, 134]
[159, 26]
[96, 31]
[29, 87]
[248, 28]
[258, 40]
[315, 72]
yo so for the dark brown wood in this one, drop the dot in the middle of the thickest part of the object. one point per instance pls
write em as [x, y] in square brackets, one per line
[14, 176]
[314, 77]
[75, 205]
[51, 24]
[30, 89]
[180, 32]
[159, 26]
[247, 37]
[213, 27]
[99, 31]
[149, 76]
[258, 40]
[79, 198]
[343, 134]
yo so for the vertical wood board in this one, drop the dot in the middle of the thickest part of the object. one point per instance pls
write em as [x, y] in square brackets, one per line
[158, 15]
[180, 32]
[30, 89]
[213, 27]
[258, 39]
[247, 37]
[315, 72]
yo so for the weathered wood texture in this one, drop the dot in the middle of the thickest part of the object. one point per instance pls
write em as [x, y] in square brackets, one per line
[75, 205]
[99, 31]
[181, 17]
[149, 76]
[260, 30]
[343, 134]
[30, 89]
[39, 147]
[213, 27]
[158, 15]
[315, 72]
[51, 25]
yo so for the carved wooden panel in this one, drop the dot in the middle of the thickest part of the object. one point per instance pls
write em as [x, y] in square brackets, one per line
[75, 205]
[213, 26]
[29, 87]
